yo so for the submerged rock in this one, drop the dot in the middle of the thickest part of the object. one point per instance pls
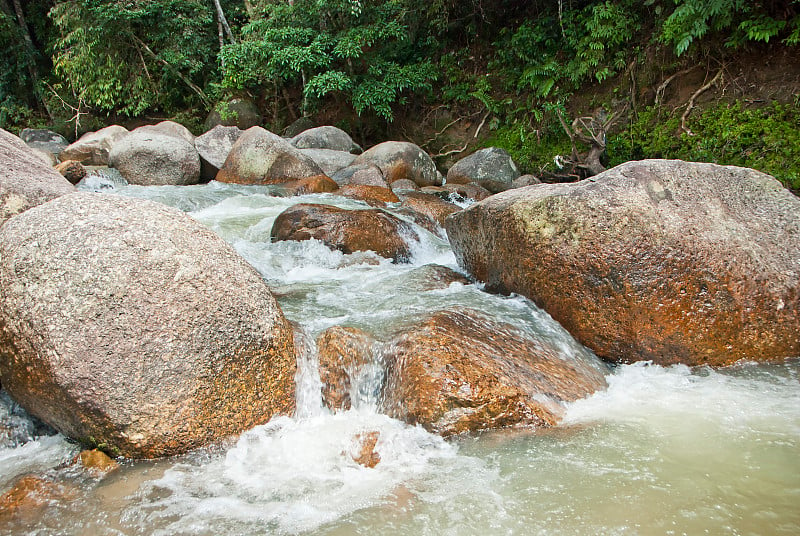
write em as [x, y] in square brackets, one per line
[401, 160]
[149, 157]
[261, 157]
[346, 230]
[658, 260]
[460, 371]
[93, 148]
[364, 452]
[25, 180]
[29, 496]
[343, 353]
[127, 325]
[97, 462]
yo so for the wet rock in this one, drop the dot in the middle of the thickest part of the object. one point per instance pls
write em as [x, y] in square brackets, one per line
[25, 181]
[97, 462]
[401, 160]
[72, 170]
[318, 184]
[364, 452]
[470, 190]
[429, 206]
[93, 148]
[326, 137]
[491, 168]
[460, 371]
[261, 157]
[236, 112]
[363, 174]
[169, 128]
[44, 140]
[658, 260]
[346, 230]
[129, 326]
[373, 195]
[433, 277]
[343, 353]
[29, 495]
[214, 147]
[330, 161]
[403, 185]
[525, 180]
[149, 158]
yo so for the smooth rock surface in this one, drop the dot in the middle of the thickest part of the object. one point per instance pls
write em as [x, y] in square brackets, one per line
[401, 160]
[344, 354]
[44, 140]
[93, 148]
[237, 112]
[658, 260]
[214, 147]
[129, 326]
[364, 174]
[326, 137]
[149, 158]
[169, 128]
[491, 168]
[372, 195]
[330, 161]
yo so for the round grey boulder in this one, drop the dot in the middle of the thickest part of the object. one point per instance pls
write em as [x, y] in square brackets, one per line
[399, 160]
[326, 137]
[150, 158]
[44, 140]
[214, 147]
[127, 325]
[236, 112]
[93, 148]
[329, 160]
[491, 168]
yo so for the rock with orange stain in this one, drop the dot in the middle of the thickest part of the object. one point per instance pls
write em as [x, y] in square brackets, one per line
[97, 462]
[373, 195]
[364, 452]
[660, 260]
[29, 495]
[460, 371]
[346, 230]
[342, 351]
[318, 184]
[72, 170]
[401, 160]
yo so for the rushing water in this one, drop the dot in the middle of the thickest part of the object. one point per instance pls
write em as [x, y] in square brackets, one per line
[661, 451]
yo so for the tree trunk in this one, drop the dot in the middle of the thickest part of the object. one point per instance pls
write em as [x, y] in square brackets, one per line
[223, 21]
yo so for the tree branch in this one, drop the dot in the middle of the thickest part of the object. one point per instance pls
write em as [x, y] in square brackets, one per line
[696, 94]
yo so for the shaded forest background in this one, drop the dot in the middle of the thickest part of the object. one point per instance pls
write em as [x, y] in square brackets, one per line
[561, 84]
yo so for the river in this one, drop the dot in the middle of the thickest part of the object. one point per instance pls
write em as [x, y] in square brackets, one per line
[664, 450]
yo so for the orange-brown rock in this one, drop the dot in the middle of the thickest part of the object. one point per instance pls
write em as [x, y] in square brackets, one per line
[28, 496]
[658, 260]
[97, 462]
[401, 160]
[470, 190]
[365, 449]
[346, 230]
[461, 371]
[427, 210]
[72, 170]
[342, 352]
[373, 195]
[318, 184]
[432, 277]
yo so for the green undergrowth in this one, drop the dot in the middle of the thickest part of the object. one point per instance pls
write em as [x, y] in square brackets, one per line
[766, 139]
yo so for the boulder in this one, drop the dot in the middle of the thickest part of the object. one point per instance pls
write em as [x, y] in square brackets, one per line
[404, 185]
[29, 497]
[261, 157]
[470, 190]
[346, 230]
[169, 128]
[131, 327]
[330, 161]
[433, 277]
[525, 180]
[365, 174]
[44, 140]
[460, 371]
[25, 180]
[97, 462]
[318, 184]
[344, 353]
[93, 148]
[429, 205]
[401, 160]
[660, 260]
[214, 147]
[297, 126]
[326, 137]
[236, 112]
[372, 195]
[491, 168]
[148, 158]
[72, 170]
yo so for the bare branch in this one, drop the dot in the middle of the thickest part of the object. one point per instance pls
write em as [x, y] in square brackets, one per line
[696, 94]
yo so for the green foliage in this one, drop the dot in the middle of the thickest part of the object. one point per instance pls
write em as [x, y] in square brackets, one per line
[766, 139]
[132, 57]
[352, 49]
[15, 82]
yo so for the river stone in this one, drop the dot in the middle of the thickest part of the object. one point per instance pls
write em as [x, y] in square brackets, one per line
[326, 137]
[429, 205]
[345, 353]
[660, 260]
[148, 158]
[364, 174]
[525, 180]
[461, 371]
[261, 157]
[404, 185]
[470, 190]
[44, 140]
[25, 180]
[330, 161]
[214, 147]
[71, 170]
[401, 160]
[372, 195]
[318, 184]
[93, 148]
[346, 230]
[129, 326]
[491, 168]
[169, 128]
[433, 277]
[236, 112]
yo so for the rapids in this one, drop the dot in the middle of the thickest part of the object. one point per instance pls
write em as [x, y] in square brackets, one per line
[661, 451]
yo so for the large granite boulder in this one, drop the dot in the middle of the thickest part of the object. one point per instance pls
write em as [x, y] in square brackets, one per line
[461, 371]
[491, 168]
[44, 140]
[329, 160]
[25, 180]
[346, 230]
[127, 325]
[236, 112]
[658, 260]
[429, 205]
[169, 128]
[93, 148]
[261, 157]
[360, 174]
[372, 195]
[214, 147]
[401, 160]
[326, 137]
[149, 158]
